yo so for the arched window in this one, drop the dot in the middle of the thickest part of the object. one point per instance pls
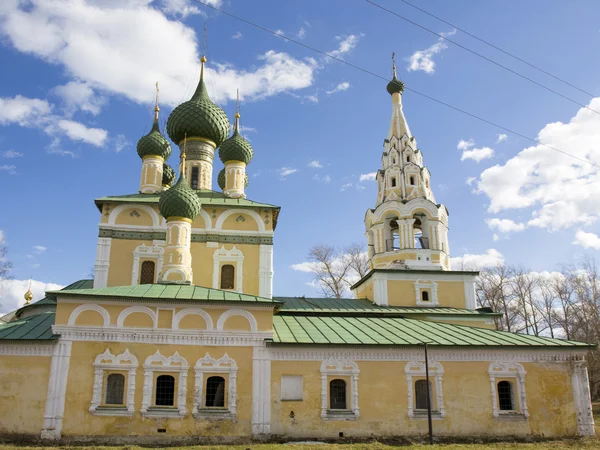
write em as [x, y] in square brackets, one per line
[505, 396]
[394, 182]
[147, 275]
[195, 176]
[115, 388]
[421, 394]
[227, 276]
[165, 391]
[337, 394]
[425, 296]
[215, 392]
[412, 181]
[408, 159]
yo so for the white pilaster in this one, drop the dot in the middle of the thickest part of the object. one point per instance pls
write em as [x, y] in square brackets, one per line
[265, 281]
[261, 392]
[470, 294]
[380, 296]
[582, 398]
[102, 262]
[57, 387]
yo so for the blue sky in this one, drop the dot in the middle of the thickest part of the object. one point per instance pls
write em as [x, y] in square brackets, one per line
[77, 86]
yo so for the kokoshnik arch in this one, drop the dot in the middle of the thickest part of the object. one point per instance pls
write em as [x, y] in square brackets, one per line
[178, 336]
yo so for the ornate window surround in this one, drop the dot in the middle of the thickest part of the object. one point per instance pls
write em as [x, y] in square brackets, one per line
[147, 252]
[423, 283]
[417, 369]
[234, 256]
[109, 362]
[343, 368]
[160, 363]
[210, 366]
[509, 370]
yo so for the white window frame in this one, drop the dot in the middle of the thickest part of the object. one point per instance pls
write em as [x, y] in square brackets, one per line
[154, 253]
[235, 256]
[343, 368]
[512, 371]
[436, 373]
[423, 283]
[109, 362]
[210, 366]
[160, 363]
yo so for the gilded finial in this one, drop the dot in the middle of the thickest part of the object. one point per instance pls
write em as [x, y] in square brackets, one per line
[28, 295]
[394, 63]
[182, 156]
[156, 108]
[237, 110]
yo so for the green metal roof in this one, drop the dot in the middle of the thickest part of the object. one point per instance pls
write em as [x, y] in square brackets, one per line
[179, 201]
[51, 299]
[363, 306]
[38, 327]
[423, 271]
[290, 329]
[179, 292]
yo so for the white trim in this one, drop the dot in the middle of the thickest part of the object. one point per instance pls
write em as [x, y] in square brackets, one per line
[206, 304]
[514, 370]
[20, 349]
[119, 209]
[237, 312]
[137, 309]
[57, 388]
[89, 307]
[108, 361]
[102, 263]
[152, 252]
[261, 391]
[417, 369]
[344, 368]
[470, 300]
[231, 212]
[265, 271]
[380, 293]
[214, 366]
[160, 363]
[423, 283]
[195, 231]
[188, 311]
[234, 255]
[582, 399]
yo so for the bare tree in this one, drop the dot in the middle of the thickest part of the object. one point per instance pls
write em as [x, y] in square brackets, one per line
[5, 264]
[357, 259]
[493, 289]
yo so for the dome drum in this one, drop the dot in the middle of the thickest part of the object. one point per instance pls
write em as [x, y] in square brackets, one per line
[199, 149]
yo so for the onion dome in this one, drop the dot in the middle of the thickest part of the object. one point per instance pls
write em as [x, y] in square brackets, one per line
[236, 148]
[28, 296]
[198, 117]
[154, 143]
[395, 86]
[221, 179]
[179, 201]
[168, 175]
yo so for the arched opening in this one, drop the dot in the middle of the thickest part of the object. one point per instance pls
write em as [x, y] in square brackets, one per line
[424, 296]
[412, 181]
[215, 392]
[505, 396]
[227, 277]
[147, 272]
[337, 394]
[195, 177]
[115, 389]
[165, 391]
[392, 241]
[408, 159]
[421, 394]
[393, 181]
[421, 231]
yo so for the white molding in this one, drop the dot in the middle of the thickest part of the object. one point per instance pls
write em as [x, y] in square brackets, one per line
[231, 212]
[171, 303]
[425, 283]
[237, 312]
[508, 369]
[470, 300]
[345, 368]
[102, 263]
[119, 209]
[108, 361]
[57, 388]
[89, 307]
[152, 252]
[582, 399]
[195, 231]
[192, 311]
[261, 392]
[380, 293]
[210, 365]
[417, 369]
[137, 309]
[234, 255]
[20, 349]
[160, 363]
[265, 271]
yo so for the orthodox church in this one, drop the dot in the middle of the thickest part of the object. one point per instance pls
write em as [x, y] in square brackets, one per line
[179, 336]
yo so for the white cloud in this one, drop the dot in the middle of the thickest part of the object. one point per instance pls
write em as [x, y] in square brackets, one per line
[39, 249]
[26, 112]
[180, 8]
[313, 98]
[501, 138]
[423, 59]
[121, 142]
[78, 132]
[12, 291]
[465, 145]
[10, 168]
[78, 95]
[477, 154]
[2, 237]
[343, 86]
[346, 45]
[367, 176]
[237, 35]
[345, 187]
[301, 34]
[490, 258]
[315, 164]
[561, 191]
[11, 154]
[286, 171]
[587, 240]
[322, 179]
[470, 180]
[505, 225]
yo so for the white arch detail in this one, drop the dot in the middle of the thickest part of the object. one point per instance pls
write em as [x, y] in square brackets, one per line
[404, 210]
[81, 308]
[136, 309]
[193, 311]
[249, 212]
[237, 312]
[119, 209]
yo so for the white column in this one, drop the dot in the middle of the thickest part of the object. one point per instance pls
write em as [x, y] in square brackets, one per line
[261, 392]
[101, 265]
[265, 280]
[380, 296]
[582, 399]
[57, 388]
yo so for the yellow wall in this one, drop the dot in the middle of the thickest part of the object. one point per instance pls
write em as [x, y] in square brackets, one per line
[126, 218]
[23, 389]
[450, 293]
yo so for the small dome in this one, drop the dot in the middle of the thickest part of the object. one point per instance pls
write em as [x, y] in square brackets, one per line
[236, 148]
[168, 175]
[154, 143]
[395, 86]
[198, 117]
[179, 201]
[221, 179]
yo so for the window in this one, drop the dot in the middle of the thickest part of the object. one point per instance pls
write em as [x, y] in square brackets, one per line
[165, 390]
[426, 292]
[147, 275]
[115, 388]
[394, 182]
[337, 394]
[215, 392]
[227, 276]
[424, 296]
[408, 159]
[421, 394]
[412, 181]
[195, 176]
[505, 396]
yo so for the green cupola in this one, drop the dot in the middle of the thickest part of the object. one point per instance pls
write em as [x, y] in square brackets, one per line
[199, 117]
[236, 148]
[180, 200]
[395, 86]
[168, 177]
[154, 143]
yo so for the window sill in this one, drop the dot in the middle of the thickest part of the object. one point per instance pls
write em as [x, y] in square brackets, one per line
[111, 411]
[333, 414]
[510, 416]
[163, 413]
[421, 414]
[214, 414]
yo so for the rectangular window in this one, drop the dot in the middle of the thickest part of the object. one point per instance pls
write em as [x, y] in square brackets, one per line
[115, 388]
[421, 394]
[165, 391]
[292, 387]
[505, 396]
[337, 394]
[195, 177]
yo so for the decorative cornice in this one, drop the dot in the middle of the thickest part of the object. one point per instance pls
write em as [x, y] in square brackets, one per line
[161, 236]
[26, 349]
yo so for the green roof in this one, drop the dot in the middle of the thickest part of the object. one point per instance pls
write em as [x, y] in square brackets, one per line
[363, 306]
[296, 329]
[413, 271]
[394, 86]
[154, 143]
[179, 201]
[236, 148]
[51, 299]
[38, 327]
[179, 292]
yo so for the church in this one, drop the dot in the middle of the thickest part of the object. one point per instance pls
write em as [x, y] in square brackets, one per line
[179, 336]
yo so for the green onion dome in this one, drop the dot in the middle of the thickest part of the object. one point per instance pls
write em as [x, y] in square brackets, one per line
[168, 175]
[236, 148]
[221, 179]
[198, 117]
[179, 201]
[154, 143]
[395, 86]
